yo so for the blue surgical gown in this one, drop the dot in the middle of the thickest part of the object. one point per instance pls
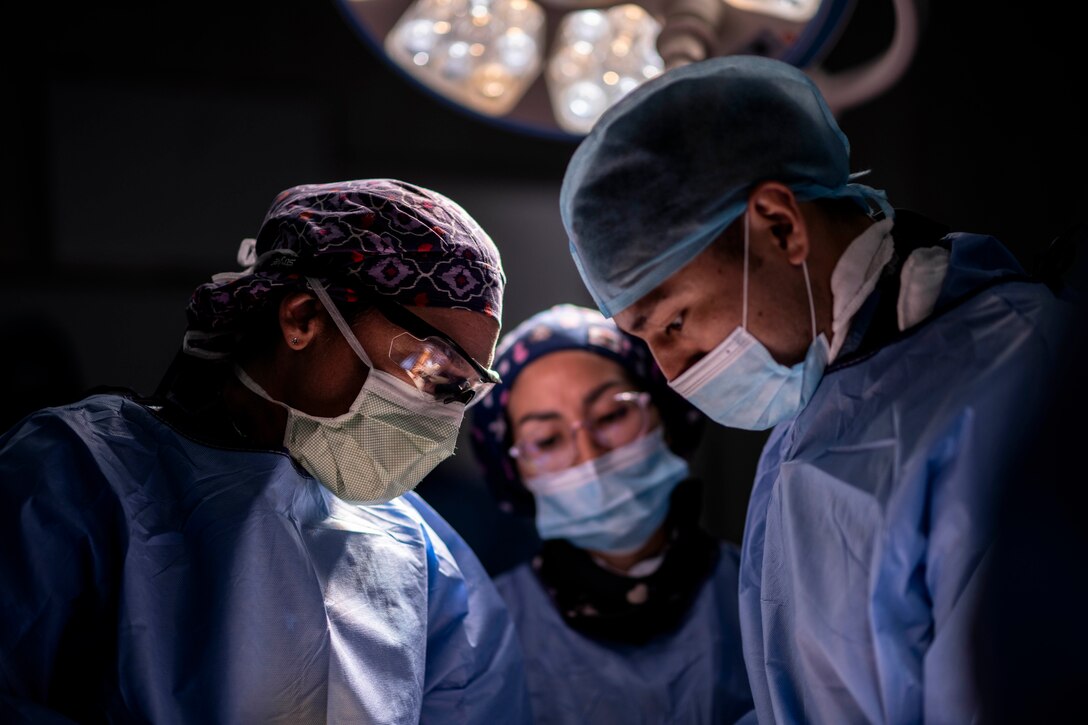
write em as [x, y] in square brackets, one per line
[870, 522]
[145, 577]
[694, 675]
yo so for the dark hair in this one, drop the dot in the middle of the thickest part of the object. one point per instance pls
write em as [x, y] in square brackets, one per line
[729, 245]
[843, 210]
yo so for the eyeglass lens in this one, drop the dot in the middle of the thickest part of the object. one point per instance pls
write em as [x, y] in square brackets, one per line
[548, 445]
[421, 330]
[436, 368]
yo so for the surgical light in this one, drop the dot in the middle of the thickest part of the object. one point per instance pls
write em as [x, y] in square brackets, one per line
[552, 67]
[600, 56]
[483, 54]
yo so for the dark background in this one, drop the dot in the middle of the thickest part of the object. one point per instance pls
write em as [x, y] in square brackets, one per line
[143, 141]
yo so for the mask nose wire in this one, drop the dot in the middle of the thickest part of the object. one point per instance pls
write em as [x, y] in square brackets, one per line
[341, 324]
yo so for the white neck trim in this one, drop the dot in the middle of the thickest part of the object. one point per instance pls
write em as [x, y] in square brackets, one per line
[855, 276]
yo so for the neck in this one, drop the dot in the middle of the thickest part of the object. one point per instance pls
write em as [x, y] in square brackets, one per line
[623, 562]
[257, 420]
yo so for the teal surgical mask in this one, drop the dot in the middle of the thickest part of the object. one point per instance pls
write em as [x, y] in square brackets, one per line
[390, 438]
[740, 385]
[613, 503]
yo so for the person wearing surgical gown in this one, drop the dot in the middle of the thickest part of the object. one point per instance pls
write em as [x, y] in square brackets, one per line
[243, 545]
[713, 213]
[627, 612]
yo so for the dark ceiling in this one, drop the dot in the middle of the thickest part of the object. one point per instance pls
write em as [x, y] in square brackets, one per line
[986, 126]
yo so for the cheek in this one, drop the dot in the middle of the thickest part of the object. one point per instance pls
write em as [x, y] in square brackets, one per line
[343, 379]
[714, 325]
[522, 472]
[343, 392]
[676, 353]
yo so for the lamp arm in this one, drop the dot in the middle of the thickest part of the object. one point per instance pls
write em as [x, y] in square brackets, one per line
[689, 32]
[849, 88]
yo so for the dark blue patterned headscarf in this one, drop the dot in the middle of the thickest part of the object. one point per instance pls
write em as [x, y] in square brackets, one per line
[360, 238]
[567, 327]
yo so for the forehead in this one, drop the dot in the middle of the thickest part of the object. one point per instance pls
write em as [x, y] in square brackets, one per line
[563, 378]
[635, 318]
[474, 331]
[702, 278]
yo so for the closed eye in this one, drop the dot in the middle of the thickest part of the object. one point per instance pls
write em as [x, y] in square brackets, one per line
[676, 325]
[545, 444]
[612, 417]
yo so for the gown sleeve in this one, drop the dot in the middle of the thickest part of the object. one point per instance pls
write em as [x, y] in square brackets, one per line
[958, 477]
[61, 538]
[475, 672]
[956, 562]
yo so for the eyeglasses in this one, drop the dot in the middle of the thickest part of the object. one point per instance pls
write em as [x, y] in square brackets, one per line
[433, 361]
[547, 444]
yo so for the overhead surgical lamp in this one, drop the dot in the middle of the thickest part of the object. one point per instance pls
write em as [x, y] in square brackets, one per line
[552, 67]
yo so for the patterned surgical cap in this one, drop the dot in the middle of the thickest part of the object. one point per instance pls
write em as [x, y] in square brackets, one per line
[360, 238]
[567, 327]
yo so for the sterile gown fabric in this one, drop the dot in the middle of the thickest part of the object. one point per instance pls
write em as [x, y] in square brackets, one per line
[145, 577]
[871, 517]
[694, 675]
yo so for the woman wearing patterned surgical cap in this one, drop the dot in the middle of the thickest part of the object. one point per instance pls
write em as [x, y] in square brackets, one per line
[628, 612]
[243, 545]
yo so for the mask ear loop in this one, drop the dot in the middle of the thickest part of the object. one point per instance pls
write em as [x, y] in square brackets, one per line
[744, 318]
[338, 319]
[811, 305]
[808, 285]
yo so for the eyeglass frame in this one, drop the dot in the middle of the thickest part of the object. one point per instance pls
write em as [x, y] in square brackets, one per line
[644, 401]
[420, 329]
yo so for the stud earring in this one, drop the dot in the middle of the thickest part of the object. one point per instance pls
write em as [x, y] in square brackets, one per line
[294, 340]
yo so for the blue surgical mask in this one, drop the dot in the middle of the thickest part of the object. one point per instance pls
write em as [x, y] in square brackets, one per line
[613, 503]
[740, 385]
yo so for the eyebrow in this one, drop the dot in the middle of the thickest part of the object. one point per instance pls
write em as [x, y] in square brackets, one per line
[647, 306]
[587, 400]
[591, 396]
[420, 329]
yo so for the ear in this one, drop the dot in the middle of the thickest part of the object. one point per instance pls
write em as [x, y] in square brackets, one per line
[775, 217]
[300, 319]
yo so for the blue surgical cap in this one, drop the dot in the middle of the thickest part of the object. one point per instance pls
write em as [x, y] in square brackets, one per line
[669, 167]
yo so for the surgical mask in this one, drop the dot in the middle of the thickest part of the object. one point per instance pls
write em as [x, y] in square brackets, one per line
[390, 438]
[613, 503]
[740, 385]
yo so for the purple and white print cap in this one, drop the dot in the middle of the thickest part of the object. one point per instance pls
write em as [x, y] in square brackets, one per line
[361, 238]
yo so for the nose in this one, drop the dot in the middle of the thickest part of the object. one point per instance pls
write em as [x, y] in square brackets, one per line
[671, 360]
[684, 365]
[586, 446]
[674, 357]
